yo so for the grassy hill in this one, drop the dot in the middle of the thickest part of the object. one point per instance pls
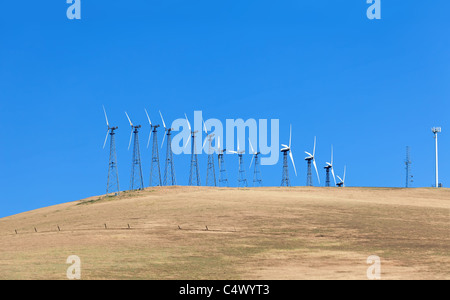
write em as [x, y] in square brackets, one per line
[228, 233]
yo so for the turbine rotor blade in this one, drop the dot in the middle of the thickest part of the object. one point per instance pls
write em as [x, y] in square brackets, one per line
[331, 154]
[189, 124]
[334, 177]
[314, 150]
[131, 124]
[253, 156]
[251, 146]
[131, 135]
[164, 124]
[309, 154]
[315, 166]
[164, 137]
[187, 142]
[148, 117]
[204, 126]
[149, 137]
[292, 159]
[106, 117]
[106, 138]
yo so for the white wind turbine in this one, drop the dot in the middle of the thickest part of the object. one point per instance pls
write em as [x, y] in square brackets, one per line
[287, 150]
[329, 166]
[242, 179]
[311, 158]
[257, 180]
[342, 181]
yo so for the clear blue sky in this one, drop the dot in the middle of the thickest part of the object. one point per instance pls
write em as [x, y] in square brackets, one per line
[370, 88]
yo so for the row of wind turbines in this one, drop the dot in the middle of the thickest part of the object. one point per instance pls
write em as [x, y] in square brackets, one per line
[168, 177]
[311, 160]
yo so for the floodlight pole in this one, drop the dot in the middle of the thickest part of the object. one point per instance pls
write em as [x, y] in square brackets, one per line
[436, 130]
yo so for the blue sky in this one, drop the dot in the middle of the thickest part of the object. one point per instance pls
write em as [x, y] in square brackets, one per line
[369, 87]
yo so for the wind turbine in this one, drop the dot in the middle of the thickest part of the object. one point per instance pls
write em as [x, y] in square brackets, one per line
[286, 150]
[328, 167]
[223, 179]
[342, 181]
[136, 180]
[169, 171]
[155, 169]
[210, 170]
[242, 180]
[257, 172]
[311, 158]
[113, 173]
[194, 157]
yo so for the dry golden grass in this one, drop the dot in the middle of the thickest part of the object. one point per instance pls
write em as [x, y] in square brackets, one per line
[254, 233]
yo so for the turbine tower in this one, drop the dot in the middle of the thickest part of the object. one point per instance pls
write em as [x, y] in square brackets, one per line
[257, 180]
[408, 163]
[436, 130]
[136, 180]
[210, 172]
[194, 175]
[242, 179]
[223, 180]
[342, 181]
[113, 173]
[328, 168]
[169, 171]
[286, 150]
[155, 170]
[310, 158]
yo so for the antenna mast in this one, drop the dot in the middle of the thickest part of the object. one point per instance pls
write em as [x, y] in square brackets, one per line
[408, 163]
[436, 130]
[210, 171]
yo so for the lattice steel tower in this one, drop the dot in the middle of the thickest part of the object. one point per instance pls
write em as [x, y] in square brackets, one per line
[194, 174]
[136, 178]
[112, 184]
[285, 176]
[408, 163]
[169, 171]
[311, 160]
[223, 179]
[242, 179]
[257, 180]
[210, 171]
[155, 170]
[287, 150]
[327, 175]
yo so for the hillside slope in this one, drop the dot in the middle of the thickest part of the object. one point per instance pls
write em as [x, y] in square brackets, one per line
[227, 233]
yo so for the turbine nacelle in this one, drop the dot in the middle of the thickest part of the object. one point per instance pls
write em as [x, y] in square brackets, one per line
[134, 128]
